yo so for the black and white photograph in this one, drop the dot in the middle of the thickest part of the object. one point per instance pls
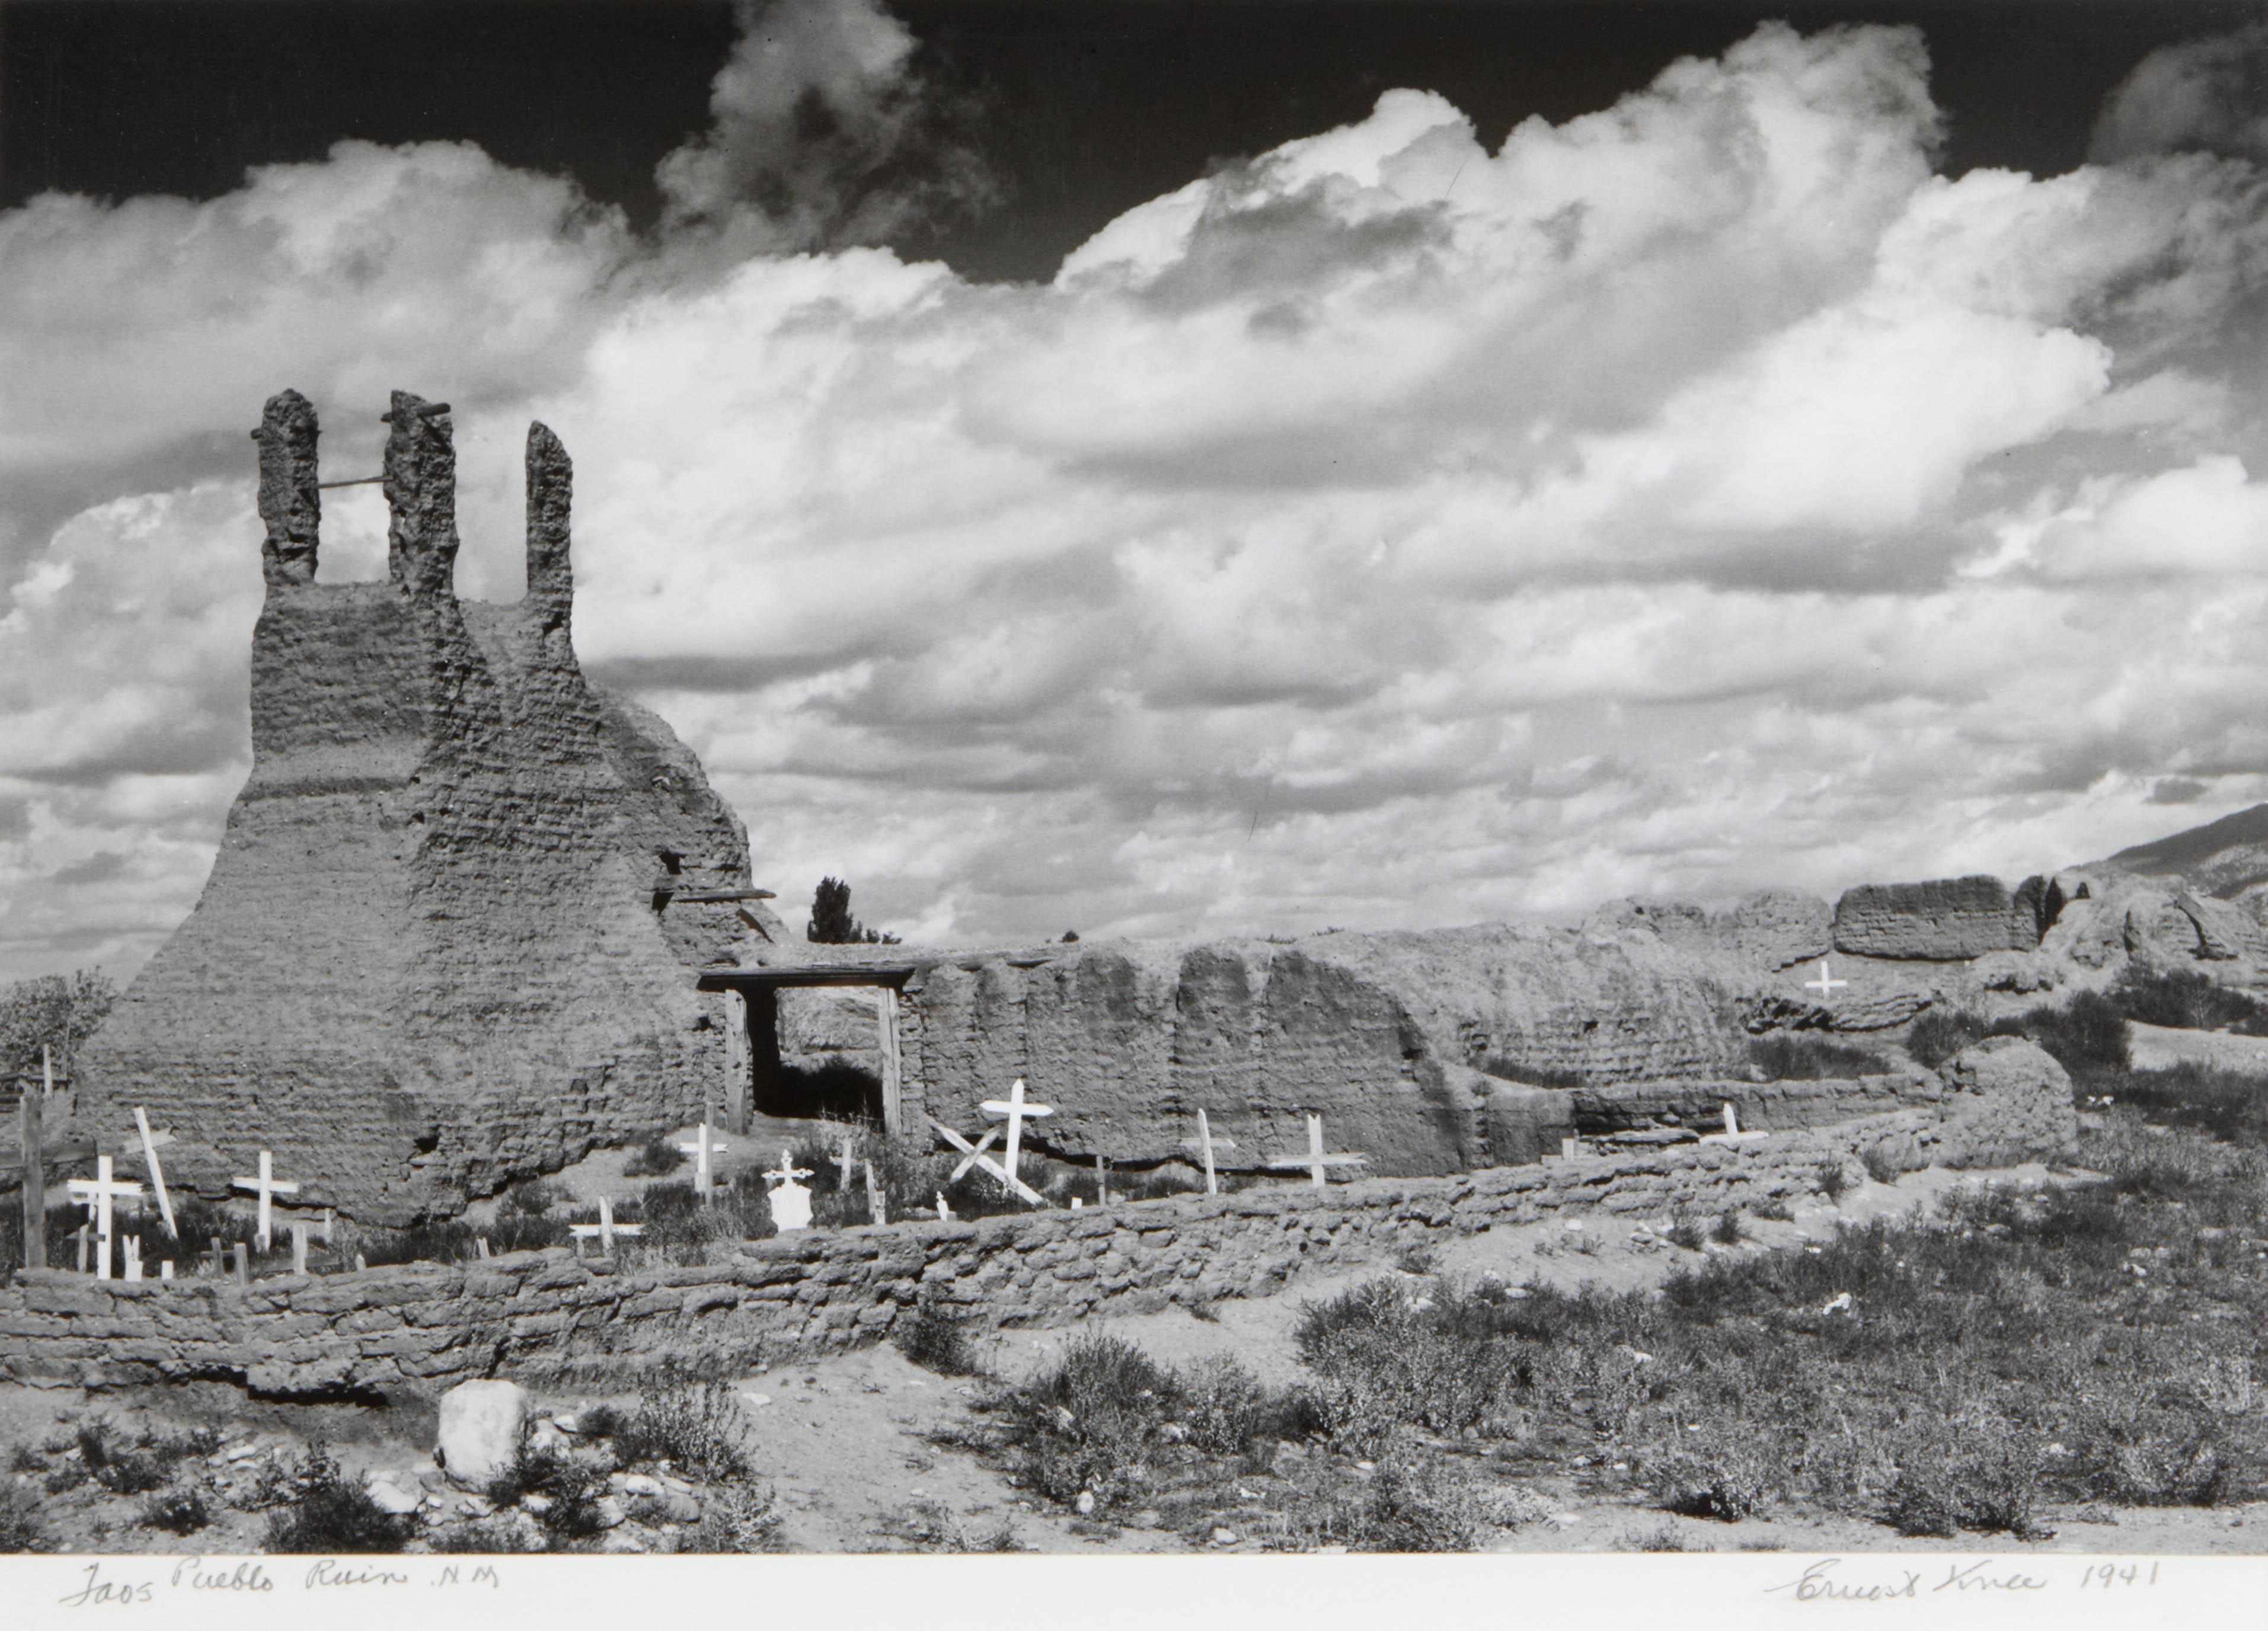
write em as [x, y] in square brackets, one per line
[1072, 786]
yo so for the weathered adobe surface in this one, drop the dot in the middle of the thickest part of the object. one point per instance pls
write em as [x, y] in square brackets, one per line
[1949, 919]
[547, 1315]
[444, 942]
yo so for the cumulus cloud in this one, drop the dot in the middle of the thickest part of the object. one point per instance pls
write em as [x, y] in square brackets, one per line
[1698, 495]
[2209, 94]
[822, 132]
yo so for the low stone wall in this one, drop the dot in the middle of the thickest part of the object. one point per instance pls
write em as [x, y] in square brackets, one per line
[544, 1315]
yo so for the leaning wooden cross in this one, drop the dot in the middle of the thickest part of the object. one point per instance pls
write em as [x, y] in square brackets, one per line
[267, 1186]
[605, 1229]
[96, 1194]
[1315, 1162]
[704, 1172]
[1205, 1143]
[150, 1143]
[976, 1156]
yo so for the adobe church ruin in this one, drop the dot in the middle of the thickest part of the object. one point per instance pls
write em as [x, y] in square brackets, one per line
[450, 932]
[474, 917]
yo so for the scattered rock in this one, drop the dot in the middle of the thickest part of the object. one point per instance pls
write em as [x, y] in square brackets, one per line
[1225, 1537]
[680, 1509]
[609, 1511]
[482, 1427]
[394, 1492]
[637, 1484]
[1085, 1502]
[538, 1505]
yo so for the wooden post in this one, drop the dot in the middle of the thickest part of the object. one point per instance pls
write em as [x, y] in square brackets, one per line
[1732, 1122]
[737, 1066]
[47, 1071]
[481, 1241]
[165, 1270]
[843, 1165]
[360, 1264]
[243, 1264]
[157, 1172]
[1204, 1141]
[1570, 1147]
[35, 1184]
[1102, 1179]
[131, 1245]
[877, 1211]
[299, 1231]
[763, 1050]
[885, 1012]
[220, 1262]
[82, 1248]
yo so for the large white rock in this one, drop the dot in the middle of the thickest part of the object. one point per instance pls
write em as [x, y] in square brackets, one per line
[482, 1425]
[394, 1492]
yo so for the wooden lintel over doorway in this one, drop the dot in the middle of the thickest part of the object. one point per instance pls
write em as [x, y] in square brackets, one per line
[755, 1053]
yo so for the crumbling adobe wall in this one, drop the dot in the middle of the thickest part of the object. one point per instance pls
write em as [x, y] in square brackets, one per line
[1379, 1033]
[1946, 920]
[547, 1315]
[443, 942]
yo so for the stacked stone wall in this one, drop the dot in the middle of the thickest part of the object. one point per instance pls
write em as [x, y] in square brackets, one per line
[547, 1315]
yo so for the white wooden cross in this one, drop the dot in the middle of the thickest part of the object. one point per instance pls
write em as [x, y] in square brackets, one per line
[1205, 1143]
[976, 1154]
[1015, 1108]
[157, 1172]
[268, 1186]
[96, 1194]
[605, 1229]
[1315, 1161]
[790, 1202]
[1825, 986]
[700, 1149]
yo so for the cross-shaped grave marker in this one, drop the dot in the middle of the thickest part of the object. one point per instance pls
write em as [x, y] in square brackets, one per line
[268, 1186]
[605, 1229]
[977, 1157]
[1315, 1162]
[150, 1143]
[96, 1194]
[1825, 986]
[1205, 1143]
[790, 1202]
[1017, 1111]
[702, 1150]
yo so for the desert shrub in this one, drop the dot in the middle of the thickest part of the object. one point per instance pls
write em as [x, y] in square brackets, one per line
[654, 1158]
[2185, 1000]
[1981, 1474]
[1388, 1356]
[695, 1422]
[570, 1487]
[1227, 1408]
[937, 1339]
[735, 1519]
[434, 1241]
[1409, 1503]
[1939, 1033]
[1685, 1230]
[20, 1529]
[333, 1515]
[600, 1422]
[1833, 1181]
[2089, 1032]
[1723, 1471]
[1726, 1230]
[1812, 1059]
[535, 1199]
[121, 1469]
[1775, 1210]
[1880, 1165]
[179, 1512]
[2226, 1105]
[1091, 1421]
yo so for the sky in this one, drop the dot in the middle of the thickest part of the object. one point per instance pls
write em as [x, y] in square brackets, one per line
[1159, 469]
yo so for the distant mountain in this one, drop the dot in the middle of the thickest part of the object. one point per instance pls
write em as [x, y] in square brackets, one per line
[2223, 858]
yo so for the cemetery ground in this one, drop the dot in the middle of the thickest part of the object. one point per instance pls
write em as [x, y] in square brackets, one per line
[2060, 1359]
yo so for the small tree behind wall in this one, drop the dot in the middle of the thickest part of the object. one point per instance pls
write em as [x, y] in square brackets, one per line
[831, 922]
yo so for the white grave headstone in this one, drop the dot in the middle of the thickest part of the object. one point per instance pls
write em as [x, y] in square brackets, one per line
[791, 1201]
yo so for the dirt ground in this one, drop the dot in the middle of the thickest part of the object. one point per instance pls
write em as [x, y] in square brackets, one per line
[849, 1443]
[2155, 1047]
